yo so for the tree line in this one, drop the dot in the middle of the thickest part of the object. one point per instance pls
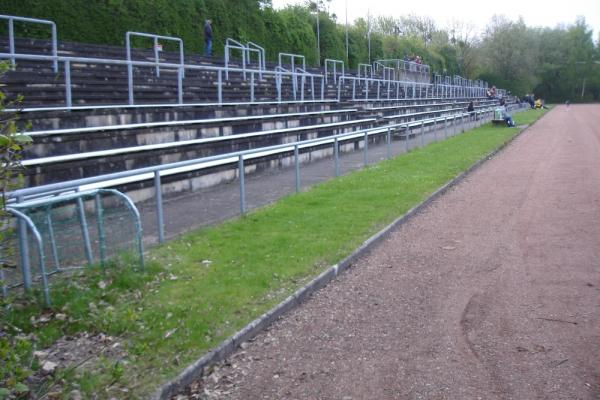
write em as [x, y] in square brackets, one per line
[554, 63]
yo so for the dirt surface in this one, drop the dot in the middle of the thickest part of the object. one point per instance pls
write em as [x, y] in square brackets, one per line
[493, 292]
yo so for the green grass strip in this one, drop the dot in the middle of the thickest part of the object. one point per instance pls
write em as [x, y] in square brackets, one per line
[206, 285]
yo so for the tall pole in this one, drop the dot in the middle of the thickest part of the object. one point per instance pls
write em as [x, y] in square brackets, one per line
[347, 30]
[369, 32]
[318, 37]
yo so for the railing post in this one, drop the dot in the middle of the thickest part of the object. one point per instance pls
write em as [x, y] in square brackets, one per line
[11, 40]
[366, 150]
[297, 167]
[406, 142]
[52, 238]
[278, 86]
[322, 89]
[84, 231]
[336, 155]
[226, 51]
[422, 133]
[388, 140]
[252, 87]
[180, 72]
[100, 224]
[353, 89]
[24, 250]
[68, 84]
[312, 86]
[130, 81]
[445, 127]
[220, 86]
[156, 60]
[159, 207]
[242, 184]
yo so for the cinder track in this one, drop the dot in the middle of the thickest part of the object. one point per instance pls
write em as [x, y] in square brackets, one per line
[493, 292]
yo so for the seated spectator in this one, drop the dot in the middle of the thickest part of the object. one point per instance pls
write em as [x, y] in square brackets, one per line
[502, 102]
[471, 110]
[538, 103]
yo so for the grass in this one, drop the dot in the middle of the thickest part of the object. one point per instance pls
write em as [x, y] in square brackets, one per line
[206, 285]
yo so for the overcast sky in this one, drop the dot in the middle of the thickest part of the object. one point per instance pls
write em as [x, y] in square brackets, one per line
[548, 13]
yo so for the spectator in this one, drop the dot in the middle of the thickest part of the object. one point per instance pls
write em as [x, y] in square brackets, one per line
[471, 110]
[507, 118]
[208, 35]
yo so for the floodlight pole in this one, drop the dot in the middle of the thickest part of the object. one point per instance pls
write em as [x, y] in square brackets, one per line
[318, 37]
[347, 31]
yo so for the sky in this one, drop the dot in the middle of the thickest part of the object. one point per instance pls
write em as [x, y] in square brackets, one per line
[549, 13]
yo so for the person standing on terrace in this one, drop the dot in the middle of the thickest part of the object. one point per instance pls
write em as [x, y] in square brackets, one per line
[208, 35]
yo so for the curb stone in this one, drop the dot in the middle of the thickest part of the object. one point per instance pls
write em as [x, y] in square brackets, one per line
[229, 346]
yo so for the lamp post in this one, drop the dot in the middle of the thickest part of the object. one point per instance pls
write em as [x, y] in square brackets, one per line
[318, 35]
[347, 30]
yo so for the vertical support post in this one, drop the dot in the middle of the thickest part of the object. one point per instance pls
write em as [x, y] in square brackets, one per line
[312, 86]
[366, 150]
[220, 86]
[180, 73]
[422, 133]
[130, 81]
[52, 238]
[322, 89]
[84, 231]
[100, 224]
[336, 155]
[302, 79]
[388, 142]
[11, 40]
[278, 86]
[353, 89]
[406, 143]
[68, 84]
[434, 129]
[160, 225]
[241, 171]
[445, 127]
[251, 87]
[297, 167]
[156, 59]
[24, 247]
[244, 64]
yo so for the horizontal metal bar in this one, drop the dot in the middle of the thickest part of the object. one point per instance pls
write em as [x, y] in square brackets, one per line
[70, 185]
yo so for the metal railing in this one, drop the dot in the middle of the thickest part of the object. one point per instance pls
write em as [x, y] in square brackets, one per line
[366, 67]
[11, 36]
[388, 73]
[262, 62]
[25, 222]
[155, 172]
[334, 64]
[180, 69]
[293, 58]
[232, 44]
[278, 74]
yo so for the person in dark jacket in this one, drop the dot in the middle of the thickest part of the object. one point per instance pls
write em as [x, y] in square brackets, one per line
[208, 35]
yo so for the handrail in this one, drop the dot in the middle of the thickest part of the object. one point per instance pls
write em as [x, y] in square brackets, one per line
[334, 64]
[11, 35]
[278, 72]
[234, 44]
[76, 183]
[292, 58]
[25, 266]
[67, 61]
[365, 67]
[157, 63]
[262, 55]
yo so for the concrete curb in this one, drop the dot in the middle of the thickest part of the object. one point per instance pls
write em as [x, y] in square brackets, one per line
[226, 348]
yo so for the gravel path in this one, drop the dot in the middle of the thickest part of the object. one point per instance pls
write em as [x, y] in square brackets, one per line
[493, 292]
